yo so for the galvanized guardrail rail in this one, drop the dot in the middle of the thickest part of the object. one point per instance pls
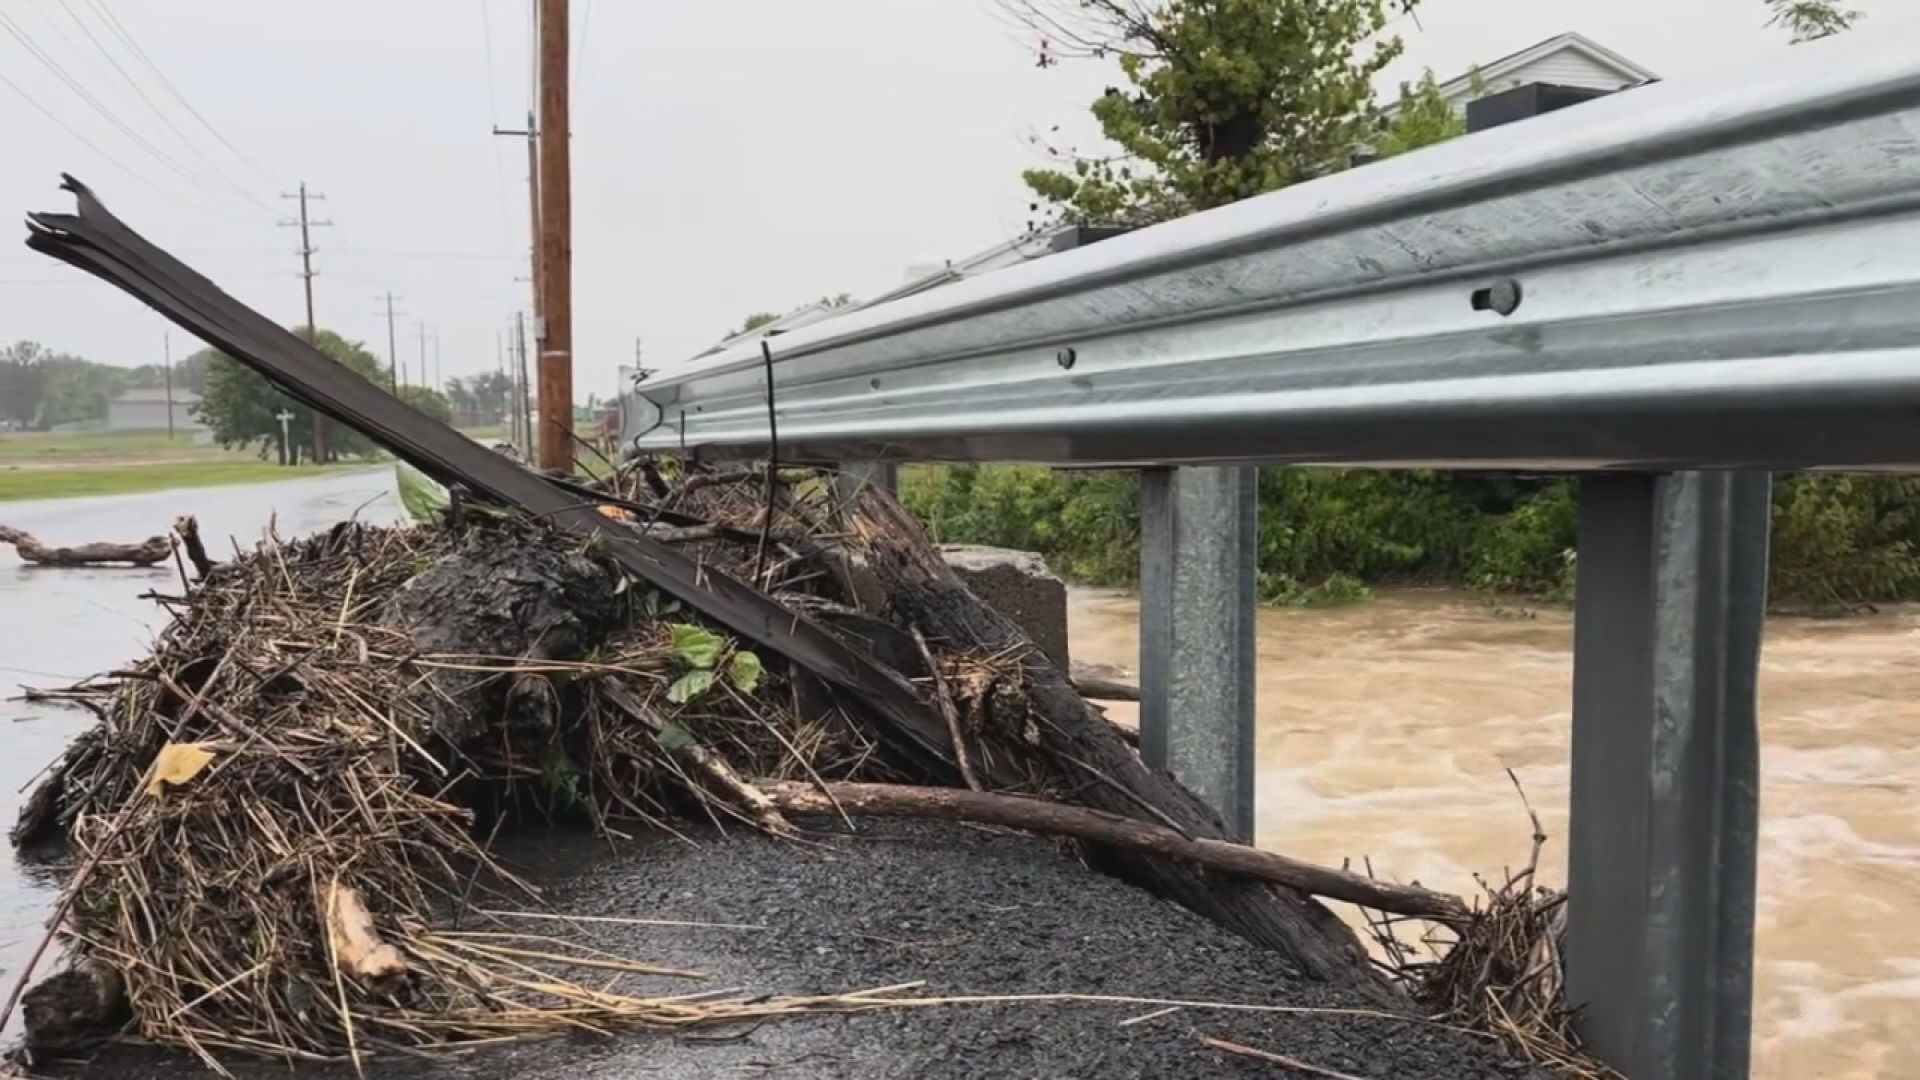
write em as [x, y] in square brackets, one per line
[1672, 291]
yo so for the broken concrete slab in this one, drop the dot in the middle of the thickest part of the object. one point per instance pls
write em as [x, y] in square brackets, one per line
[1018, 585]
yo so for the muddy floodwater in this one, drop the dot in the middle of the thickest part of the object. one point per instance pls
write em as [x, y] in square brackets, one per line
[1386, 727]
[1385, 732]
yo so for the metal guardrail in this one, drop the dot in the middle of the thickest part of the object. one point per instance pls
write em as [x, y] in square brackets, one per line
[1709, 275]
[1706, 273]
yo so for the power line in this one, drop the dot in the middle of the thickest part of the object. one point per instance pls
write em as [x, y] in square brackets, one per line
[157, 111]
[493, 118]
[91, 145]
[46, 59]
[120, 31]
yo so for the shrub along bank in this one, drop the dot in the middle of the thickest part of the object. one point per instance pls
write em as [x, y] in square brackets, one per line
[1328, 535]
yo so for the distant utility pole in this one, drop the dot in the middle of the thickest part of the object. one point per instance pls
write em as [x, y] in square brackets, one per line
[423, 354]
[393, 355]
[521, 410]
[166, 353]
[555, 326]
[306, 274]
[532, 135]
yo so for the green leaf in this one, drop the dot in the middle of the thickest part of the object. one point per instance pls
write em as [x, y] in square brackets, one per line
[690, 686]
[674, 738]
[745, 671]
[696, 646]
[424, 499]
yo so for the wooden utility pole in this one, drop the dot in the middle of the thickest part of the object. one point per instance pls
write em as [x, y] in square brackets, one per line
[393, 354]
[520, 408]
[166, 351]
[554, 326]
[306, 273]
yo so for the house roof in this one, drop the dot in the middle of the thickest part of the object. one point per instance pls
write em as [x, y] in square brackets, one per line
[1571, 40]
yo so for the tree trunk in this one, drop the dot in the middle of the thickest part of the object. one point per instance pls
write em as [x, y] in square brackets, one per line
[1087, 756]
[145, 553]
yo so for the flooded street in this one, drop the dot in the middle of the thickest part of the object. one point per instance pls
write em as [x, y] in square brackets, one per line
[61, 625]
[1386, 728]
[1385, 732]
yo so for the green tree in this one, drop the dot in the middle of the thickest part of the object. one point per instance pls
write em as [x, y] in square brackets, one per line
[23, 383]
[1224, 99]
[242, 408]
[1807, 20]
[429, 401]
[1423, 118]
[757, 320]
[76, 391]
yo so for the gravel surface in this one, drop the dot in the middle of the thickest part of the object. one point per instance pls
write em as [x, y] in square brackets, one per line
[965, 911]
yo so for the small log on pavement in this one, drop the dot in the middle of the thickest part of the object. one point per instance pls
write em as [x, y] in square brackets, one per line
[1112, 830]
[1086, 754]
[145, 553]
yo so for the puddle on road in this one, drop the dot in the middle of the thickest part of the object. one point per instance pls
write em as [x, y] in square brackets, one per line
[1385, 729]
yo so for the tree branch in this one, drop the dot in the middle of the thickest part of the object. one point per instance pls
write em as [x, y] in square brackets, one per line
[1113, 830]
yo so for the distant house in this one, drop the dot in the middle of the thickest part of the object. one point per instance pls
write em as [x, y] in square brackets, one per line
[146, 410]
[1568, 59]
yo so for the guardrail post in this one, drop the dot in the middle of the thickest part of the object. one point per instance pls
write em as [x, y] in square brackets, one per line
[1671, 592]
[1198, 534]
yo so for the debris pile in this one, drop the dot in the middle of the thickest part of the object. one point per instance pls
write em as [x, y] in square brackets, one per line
[281, 823]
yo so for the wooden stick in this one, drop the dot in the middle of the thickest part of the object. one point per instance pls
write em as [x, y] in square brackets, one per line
[948, 711]
[1113, 830]
[710, 765]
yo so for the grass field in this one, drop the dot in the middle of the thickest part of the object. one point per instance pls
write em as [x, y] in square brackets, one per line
[16, 484]
[55, 465]
[41, 448]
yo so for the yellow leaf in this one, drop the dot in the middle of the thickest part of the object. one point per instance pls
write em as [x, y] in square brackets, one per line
[176, 764]
[617, 513]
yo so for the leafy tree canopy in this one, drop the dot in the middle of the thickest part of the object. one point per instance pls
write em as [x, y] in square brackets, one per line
[1807, 20]
[1224, 98]
[1422, 119]
[242, 408]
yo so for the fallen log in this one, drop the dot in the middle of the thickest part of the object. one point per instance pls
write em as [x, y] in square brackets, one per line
[145, 553]
[1115, 831]
[1095, 684]
[914, 586]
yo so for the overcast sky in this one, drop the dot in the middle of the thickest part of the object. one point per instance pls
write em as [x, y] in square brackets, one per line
[729, 155]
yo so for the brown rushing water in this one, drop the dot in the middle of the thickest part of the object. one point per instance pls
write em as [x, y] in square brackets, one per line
[1386, 727]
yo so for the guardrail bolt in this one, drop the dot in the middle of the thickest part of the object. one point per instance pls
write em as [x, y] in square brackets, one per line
[1502, 297]
[1065, 358]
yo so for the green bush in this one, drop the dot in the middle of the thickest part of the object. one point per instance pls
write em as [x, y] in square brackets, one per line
[1840, 541]
[1328, 536]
